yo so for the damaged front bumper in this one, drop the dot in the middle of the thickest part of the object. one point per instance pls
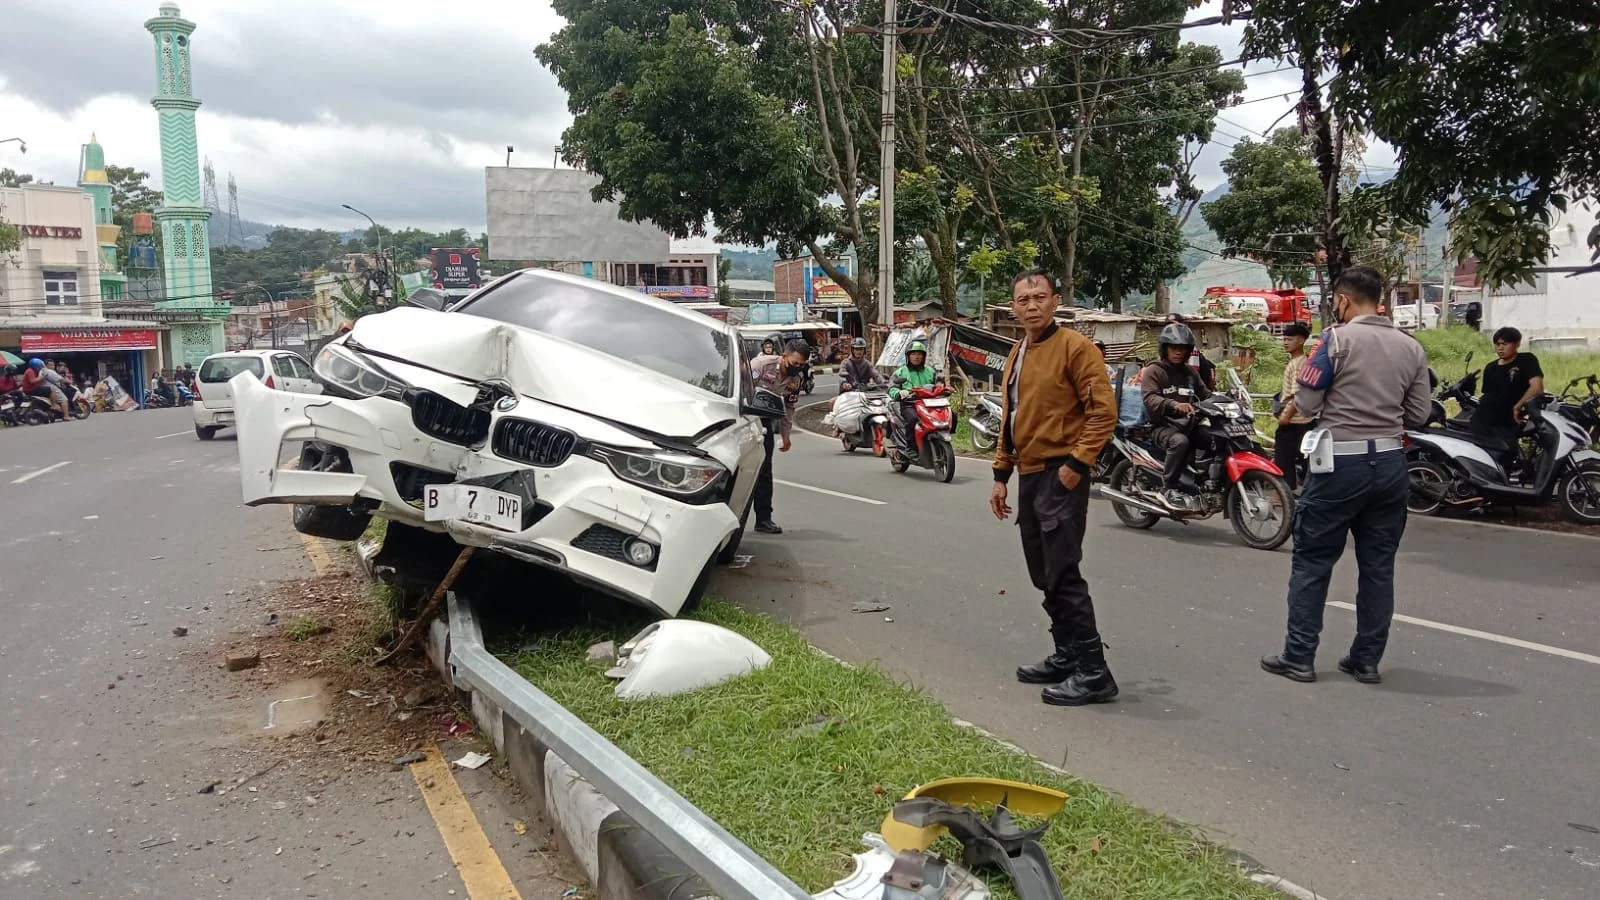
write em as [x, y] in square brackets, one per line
[577, 516]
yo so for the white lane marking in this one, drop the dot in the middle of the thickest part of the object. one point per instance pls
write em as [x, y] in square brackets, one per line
[174, 434]
[1485, 635]
[807, 487]
[1519, 529]
[37, 472]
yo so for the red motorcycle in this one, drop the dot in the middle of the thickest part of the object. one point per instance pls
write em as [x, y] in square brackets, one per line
[928, 446]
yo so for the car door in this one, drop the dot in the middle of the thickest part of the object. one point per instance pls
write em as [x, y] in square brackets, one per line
[749, 436]
[307, 381]
[284, 374]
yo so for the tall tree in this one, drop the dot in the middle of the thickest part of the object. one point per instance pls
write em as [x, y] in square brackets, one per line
[12, 178]
[1273, 207]
[1493, 106]
[10, 234]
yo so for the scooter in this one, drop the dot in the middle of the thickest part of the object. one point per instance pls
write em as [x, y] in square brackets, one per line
[928, 445]
[1449, 469]
[985, 423]
[861, 419]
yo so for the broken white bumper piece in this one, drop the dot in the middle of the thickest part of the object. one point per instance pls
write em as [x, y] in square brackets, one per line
[919, 876]
[680, 655]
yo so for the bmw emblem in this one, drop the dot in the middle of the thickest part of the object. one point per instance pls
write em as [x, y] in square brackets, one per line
[506, 402]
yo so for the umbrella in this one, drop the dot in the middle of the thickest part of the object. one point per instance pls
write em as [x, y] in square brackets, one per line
[12, 359]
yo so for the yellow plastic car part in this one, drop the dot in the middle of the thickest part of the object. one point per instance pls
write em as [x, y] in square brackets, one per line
[1021, 798]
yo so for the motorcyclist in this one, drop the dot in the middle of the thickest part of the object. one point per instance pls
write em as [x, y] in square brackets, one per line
[8, 381]
[1171, 389]
[858, 373]
[42, 381]
[915, 373]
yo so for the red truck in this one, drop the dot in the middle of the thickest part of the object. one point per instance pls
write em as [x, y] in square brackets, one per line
[1264, 308]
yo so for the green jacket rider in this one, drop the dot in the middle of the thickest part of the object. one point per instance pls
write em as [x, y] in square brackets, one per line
[914, 374]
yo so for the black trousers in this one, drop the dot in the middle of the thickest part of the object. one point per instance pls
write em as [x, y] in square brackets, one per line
[1174, 442]
[1286, 450]
[764, 480]
[1052, 521]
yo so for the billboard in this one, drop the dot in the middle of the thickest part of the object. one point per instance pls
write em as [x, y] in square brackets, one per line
[679, 291]
[454, 268]
[75, 339]
[772, 313]
[981, 354]
[549, 215]
[827, 292]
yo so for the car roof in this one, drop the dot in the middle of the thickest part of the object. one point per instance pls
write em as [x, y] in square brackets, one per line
[607, 287]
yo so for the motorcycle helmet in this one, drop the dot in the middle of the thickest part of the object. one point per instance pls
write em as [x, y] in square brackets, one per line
[36, 364]
[1175, 334]
[917, 346]
[858, 344]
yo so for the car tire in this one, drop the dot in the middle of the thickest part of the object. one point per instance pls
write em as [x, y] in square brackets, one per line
[205, 433]
[730, 551]
[697, 591]
[335, 523]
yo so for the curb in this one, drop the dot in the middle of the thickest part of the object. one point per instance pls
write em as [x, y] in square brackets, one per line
[620, 859]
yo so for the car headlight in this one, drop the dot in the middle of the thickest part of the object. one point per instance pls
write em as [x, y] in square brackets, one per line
[676, 474]
[347, 372]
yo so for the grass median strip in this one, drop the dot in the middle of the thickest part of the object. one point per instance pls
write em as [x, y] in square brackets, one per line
[802, 758]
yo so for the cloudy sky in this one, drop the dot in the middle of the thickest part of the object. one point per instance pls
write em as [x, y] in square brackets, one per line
[391, 106]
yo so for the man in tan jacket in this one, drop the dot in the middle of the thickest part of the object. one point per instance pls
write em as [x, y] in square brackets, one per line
[1057, 414]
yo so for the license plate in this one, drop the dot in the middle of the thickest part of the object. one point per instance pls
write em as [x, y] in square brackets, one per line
[936, 403]
[1233, 429]
[224, 419]
[466, 503]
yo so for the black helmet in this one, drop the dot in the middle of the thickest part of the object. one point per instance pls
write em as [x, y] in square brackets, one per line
[858, 344]
[1175, 334]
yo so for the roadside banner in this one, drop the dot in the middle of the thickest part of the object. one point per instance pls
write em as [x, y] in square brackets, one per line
[980, 353]
[455, 268]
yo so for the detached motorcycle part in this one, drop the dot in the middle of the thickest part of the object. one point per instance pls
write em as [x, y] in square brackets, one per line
[996, 841]
[1027, 799]
[881, 875]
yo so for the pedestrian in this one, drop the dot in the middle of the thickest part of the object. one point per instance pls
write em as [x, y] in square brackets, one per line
[1292, 424]
[783, 375]
[1509, 382]
[1366, 385]
[1056, 414]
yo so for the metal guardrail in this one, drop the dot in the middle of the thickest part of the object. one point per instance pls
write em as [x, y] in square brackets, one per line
[730, 868]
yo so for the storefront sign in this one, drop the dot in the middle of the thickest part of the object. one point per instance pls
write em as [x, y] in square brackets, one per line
[827, 292]
[684, 291]
[52, 231]
[455, 269]
[68, 340]
[772, 314]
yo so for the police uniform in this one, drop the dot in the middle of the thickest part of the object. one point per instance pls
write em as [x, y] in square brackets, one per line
[1366, 385]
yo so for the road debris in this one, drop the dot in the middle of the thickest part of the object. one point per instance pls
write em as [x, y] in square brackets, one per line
[868, 606]
[603, 653]
[454, 727]
[407, 759]
[520, 827]
[251, 777]
[1589, 829]
[180, 631]
[678, 655]
[472, 760]
[148, 843]
[740, 561]
[210, 788]
[238, 662]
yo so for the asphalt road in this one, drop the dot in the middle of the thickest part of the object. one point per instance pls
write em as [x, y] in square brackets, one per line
[119, 529]
[1471, 772]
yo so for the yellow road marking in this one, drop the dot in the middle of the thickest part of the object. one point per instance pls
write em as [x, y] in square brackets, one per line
[320, 560]
[481, 870]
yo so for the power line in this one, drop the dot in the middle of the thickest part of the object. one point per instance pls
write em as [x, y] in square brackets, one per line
[1103, 125]
[1070, 36]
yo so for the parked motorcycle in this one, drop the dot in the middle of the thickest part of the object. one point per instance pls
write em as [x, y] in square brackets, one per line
[809, 383]
[79, 401]
[1226, 472]
[1585, 410]
[11, 409]
[1451, 469]
[985, 422]
[1462, 392]
[860, 419]
[928, 446]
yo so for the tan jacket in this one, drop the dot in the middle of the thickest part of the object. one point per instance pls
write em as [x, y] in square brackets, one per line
[1066, 410]
[1291, 374]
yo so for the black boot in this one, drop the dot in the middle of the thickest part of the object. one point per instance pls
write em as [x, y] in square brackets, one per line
[1053, 669]
[1092, 683]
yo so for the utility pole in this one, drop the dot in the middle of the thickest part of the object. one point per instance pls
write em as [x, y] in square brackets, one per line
[887, 170]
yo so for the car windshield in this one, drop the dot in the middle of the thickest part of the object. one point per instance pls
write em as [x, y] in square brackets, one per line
[633, 330]
[223, 368]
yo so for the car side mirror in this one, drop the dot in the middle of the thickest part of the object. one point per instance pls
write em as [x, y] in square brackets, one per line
[766, 404]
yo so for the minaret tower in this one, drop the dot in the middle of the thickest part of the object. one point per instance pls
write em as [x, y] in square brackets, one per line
[181, 217]
[92, 178]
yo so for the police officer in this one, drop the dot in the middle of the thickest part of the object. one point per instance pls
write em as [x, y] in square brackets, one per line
[1366, 384]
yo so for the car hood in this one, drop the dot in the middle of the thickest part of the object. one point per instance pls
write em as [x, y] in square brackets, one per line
[547, 368]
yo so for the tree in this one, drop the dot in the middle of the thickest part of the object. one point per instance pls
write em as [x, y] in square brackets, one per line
[130, 194]
[1273, 206]
[724, 271]
[916, 281]
[1492, 104]
[12, 178]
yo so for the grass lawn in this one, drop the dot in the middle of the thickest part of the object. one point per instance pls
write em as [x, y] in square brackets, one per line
[802, 758]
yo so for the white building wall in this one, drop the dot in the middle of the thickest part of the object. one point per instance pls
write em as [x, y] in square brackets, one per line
[1559, 310]
[22, 278]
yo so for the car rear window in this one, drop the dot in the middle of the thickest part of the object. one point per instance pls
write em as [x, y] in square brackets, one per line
[223, 368]
[634, 330]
